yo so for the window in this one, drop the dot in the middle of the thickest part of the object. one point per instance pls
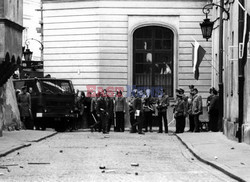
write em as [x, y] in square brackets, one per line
[153, 58]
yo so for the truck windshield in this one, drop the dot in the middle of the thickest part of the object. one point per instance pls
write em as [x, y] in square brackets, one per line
[56, 87]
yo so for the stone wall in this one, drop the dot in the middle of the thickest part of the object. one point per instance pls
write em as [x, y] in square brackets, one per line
[9, 113]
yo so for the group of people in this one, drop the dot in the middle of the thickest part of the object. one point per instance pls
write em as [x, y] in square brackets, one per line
[101, 111]
[188, 106]
[191, 107]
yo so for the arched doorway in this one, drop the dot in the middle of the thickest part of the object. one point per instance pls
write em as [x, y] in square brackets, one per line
[153, 58]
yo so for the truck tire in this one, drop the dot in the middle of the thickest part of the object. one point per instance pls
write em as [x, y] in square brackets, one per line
[61, 126]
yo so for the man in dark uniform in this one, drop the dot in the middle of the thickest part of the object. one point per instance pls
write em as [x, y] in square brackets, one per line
[110, 104]
[138, 108]
[196, 109]
[189, 109]
[148, 110]
[24, 105]
[102, 111]
[162, 105]
[214, 111]
[131, 111]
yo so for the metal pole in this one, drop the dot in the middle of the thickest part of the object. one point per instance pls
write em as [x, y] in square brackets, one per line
[241, 78]
[221, 87]
[41, 7]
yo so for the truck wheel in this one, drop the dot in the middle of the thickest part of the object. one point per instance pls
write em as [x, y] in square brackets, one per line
[61, 126]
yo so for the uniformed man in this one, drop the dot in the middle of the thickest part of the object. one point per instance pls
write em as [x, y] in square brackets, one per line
[148, 110]
[102, 111]
[180, 113]
[95, 119]
[130, 101]
[162, 105]
[24, 104]
[138, 110]
[196, 109]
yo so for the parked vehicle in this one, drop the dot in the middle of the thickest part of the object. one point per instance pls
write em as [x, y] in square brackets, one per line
[52, 101]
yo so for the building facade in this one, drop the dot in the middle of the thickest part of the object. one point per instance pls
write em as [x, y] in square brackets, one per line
[110, 44]
[11, 13]
[231, 74]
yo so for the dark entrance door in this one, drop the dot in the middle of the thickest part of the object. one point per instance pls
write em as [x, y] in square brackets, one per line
[153, 58]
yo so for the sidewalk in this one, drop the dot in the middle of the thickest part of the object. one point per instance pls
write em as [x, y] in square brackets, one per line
[215, 149]
[14, 140]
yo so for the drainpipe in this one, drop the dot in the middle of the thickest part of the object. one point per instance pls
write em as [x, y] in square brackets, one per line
[241, 78]
[221, 87]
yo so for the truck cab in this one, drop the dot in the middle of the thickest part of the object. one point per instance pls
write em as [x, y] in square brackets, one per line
[52, 101]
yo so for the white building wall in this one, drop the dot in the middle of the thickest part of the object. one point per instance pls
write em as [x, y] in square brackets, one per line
[89, 41]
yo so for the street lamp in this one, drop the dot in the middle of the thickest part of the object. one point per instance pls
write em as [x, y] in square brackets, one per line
[27, 54]
[207, 28]
[207, 25]
[28, 63]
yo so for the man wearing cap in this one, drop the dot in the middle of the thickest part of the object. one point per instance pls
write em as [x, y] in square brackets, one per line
[180, 113]
[214, 111]
[138, 110]
[162, 105]
[102, 111]
[189, 109]
[196, 109]
[130, 101]
[24, 105]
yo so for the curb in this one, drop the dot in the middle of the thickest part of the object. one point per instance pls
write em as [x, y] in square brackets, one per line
[48, 136]
[25, 145]
[230, 174]
[14, 149]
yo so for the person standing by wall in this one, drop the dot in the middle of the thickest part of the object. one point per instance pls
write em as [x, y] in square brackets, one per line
[180, 113]
[87, 109]
[214, 111]
[24, 104]
[95, 119]
[102, 111]
[189, 109]
[130, 101]
[196, 109]
[162, 105]
[148, 110]
[138, 110]
[119, 108]
[110, 106]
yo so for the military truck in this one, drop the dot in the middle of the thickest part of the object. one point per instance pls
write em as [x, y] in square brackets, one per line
[52, 102]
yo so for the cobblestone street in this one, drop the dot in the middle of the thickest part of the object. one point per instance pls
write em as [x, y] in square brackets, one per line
[78, 156]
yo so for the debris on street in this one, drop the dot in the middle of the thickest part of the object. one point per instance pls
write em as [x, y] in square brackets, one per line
[136, 173]
[102, 167]
[38, 163]
[61, 151]
[135, 164]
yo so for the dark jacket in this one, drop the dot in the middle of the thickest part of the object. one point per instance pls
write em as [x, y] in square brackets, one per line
[180, 108]
[163, 103]
[102, 106]
[148, 104]
[214, 104]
